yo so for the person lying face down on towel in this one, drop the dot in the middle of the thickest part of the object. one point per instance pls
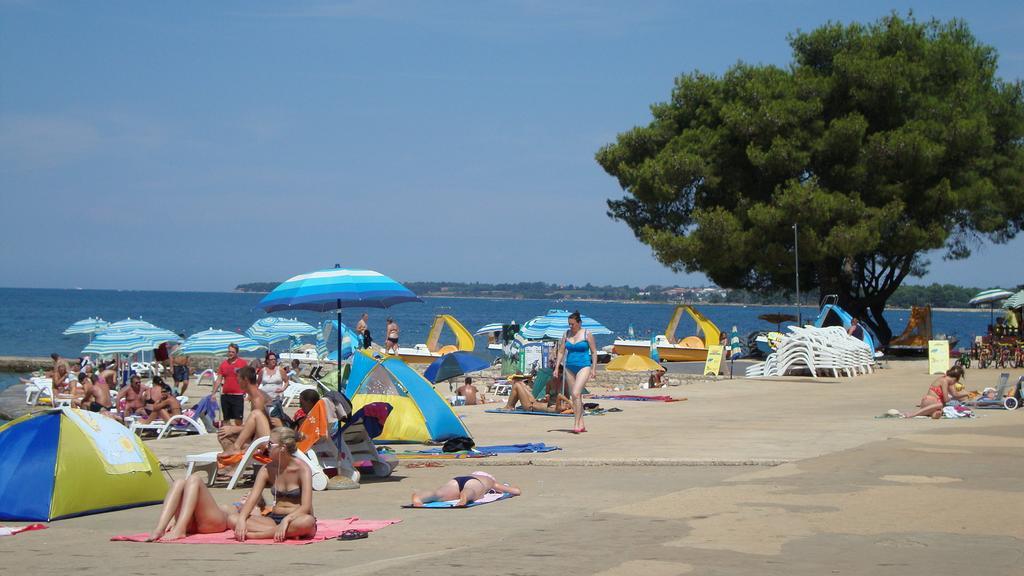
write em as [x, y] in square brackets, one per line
[465, 489]
[522, 395]
[291, 488]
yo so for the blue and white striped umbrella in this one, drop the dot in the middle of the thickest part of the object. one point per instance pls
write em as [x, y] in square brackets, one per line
[1015, 301]
[215, 343]
[497, 327]
[350, 341]
[554, 325]
[87, 326]
[337, 288]
[271, 330]
[990, 296]
[155, 334]
[109, 343]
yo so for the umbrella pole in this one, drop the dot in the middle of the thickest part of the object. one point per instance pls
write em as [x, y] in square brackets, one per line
[339, 340]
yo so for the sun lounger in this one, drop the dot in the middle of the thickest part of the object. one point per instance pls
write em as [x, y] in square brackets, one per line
[179, 422]
[319, 477]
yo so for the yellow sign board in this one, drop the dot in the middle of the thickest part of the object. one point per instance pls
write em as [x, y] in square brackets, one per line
[714, 361]
[938, 356]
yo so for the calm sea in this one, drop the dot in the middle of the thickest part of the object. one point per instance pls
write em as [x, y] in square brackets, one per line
[32, 320]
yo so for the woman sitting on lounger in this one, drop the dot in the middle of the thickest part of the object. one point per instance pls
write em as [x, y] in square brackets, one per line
[291, 486]
[464, 489]
[941, 391]
[522, 395]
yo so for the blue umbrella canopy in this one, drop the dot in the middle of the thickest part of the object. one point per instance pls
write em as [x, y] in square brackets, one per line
[114, 342]
[337, 288]
[215, 343]
[455, 364]
[496, 327]
[555, 323]
[87, 326]
[271, 330]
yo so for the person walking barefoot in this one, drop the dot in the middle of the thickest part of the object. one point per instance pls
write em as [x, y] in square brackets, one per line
[578, 352]
[464, 489]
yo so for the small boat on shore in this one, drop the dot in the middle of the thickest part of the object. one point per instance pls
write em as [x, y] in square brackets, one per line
[432, 350]
[671, 349]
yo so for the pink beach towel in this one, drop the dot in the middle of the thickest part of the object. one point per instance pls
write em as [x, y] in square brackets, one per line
[11, 531]
[325, 530]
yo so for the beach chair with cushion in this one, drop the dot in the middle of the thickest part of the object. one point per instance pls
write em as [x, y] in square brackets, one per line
[329, 444]
[319, 478]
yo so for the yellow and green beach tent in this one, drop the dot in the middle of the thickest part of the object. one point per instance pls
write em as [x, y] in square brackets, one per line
[66, 462]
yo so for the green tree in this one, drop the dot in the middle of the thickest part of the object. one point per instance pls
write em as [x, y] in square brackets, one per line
[880, 141]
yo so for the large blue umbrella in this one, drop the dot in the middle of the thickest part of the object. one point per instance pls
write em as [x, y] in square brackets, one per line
[555, 323]
[455, 364]
[271, 330]
[337, 288]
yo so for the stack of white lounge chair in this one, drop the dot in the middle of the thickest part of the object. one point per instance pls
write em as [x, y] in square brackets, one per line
[828, 350]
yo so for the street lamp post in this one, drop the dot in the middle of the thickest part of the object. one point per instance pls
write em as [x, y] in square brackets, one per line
[796, 255]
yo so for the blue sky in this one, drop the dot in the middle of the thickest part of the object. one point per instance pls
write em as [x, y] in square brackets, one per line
[197, 145]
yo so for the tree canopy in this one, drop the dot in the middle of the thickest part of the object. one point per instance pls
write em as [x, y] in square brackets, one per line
[880, 141]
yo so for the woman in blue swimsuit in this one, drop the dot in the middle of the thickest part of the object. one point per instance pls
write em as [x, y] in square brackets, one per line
[578, 353]
[291, 485]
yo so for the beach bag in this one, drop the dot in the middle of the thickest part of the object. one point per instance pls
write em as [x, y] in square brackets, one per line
[458, 444]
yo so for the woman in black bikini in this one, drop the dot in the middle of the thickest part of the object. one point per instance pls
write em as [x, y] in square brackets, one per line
[463, 489]
[291, 486]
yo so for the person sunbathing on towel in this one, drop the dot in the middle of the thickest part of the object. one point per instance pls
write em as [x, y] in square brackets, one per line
[291, 486]
[189, 508]
[465, 489]
[522, 396]
[235, 439]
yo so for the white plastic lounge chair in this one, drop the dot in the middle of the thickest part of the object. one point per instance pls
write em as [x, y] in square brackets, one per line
[319, 477]
[184, 423]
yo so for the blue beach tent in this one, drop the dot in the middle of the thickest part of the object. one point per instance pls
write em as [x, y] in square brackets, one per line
[65, 462]
[420, 414]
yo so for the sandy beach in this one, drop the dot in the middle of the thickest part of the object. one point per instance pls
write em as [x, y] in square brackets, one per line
[783, 476]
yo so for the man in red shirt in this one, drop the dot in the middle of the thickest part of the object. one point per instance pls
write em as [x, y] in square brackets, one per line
[232, 399]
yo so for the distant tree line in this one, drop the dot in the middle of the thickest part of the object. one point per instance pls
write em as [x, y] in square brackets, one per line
[935, 295]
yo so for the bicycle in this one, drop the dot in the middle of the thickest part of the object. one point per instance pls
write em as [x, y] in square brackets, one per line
[964, 360]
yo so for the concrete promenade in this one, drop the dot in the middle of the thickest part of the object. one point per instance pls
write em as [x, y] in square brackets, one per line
[786, 476]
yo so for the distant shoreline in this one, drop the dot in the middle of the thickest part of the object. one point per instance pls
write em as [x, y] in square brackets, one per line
[650, 302]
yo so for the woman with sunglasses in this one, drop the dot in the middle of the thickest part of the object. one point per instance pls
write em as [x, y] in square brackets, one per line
[291, 488]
